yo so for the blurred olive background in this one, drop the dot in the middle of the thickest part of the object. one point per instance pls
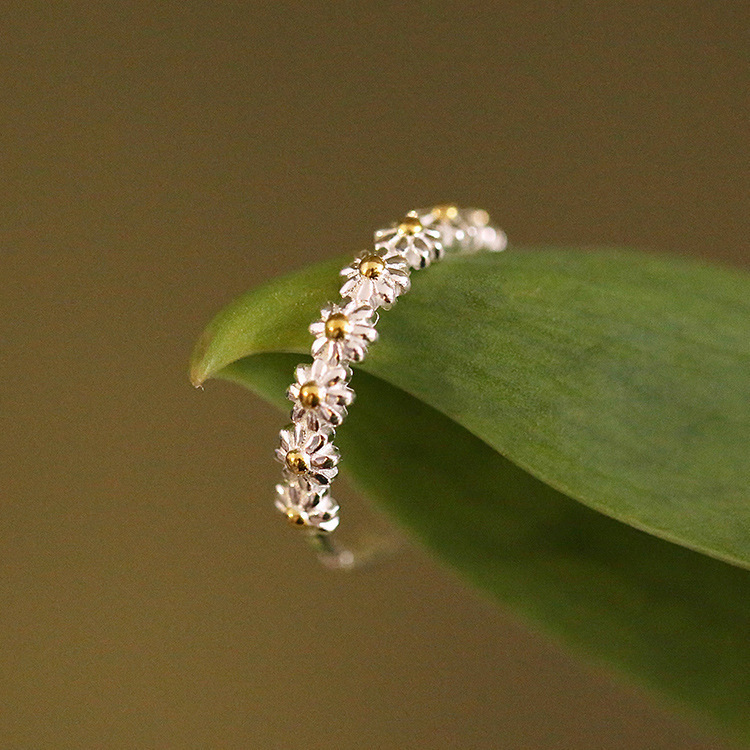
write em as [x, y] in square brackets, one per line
[159, 158]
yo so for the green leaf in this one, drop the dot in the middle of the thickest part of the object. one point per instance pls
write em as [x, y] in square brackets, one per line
[507, 387]
[619, 379]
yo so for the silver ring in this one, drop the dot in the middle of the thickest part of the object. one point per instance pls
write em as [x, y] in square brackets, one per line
[321, 394]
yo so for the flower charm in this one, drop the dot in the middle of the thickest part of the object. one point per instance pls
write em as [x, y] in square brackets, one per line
[455, 231]
[343, 332]
[320, 395]
[304, 508]
[376, 278]
[464, 230]
[419, 244]
[308, 457]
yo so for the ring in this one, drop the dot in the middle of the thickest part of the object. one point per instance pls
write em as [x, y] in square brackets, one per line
[320, 392]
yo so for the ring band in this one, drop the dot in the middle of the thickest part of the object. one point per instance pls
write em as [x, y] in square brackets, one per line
[321, 394]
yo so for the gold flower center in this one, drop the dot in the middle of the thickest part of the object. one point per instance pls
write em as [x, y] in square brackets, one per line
[445, 212]
[296, 461]
[294, 517]
[371, 266]
[309, 395]
[337, 326]
[410, 225]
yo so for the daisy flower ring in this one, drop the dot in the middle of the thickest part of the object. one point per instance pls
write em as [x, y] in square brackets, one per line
[321, 394]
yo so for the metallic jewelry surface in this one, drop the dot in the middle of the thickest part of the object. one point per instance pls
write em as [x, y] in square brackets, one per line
[321, 392]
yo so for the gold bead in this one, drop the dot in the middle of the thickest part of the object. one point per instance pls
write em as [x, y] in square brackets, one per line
[296, 462]
[294, 517]
[445, 212]
[309, 395]
[371, 266]
[337, 326]
[410, 224]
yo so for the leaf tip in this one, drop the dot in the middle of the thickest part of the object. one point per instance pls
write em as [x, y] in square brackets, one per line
[197, 379]
[200, 369]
